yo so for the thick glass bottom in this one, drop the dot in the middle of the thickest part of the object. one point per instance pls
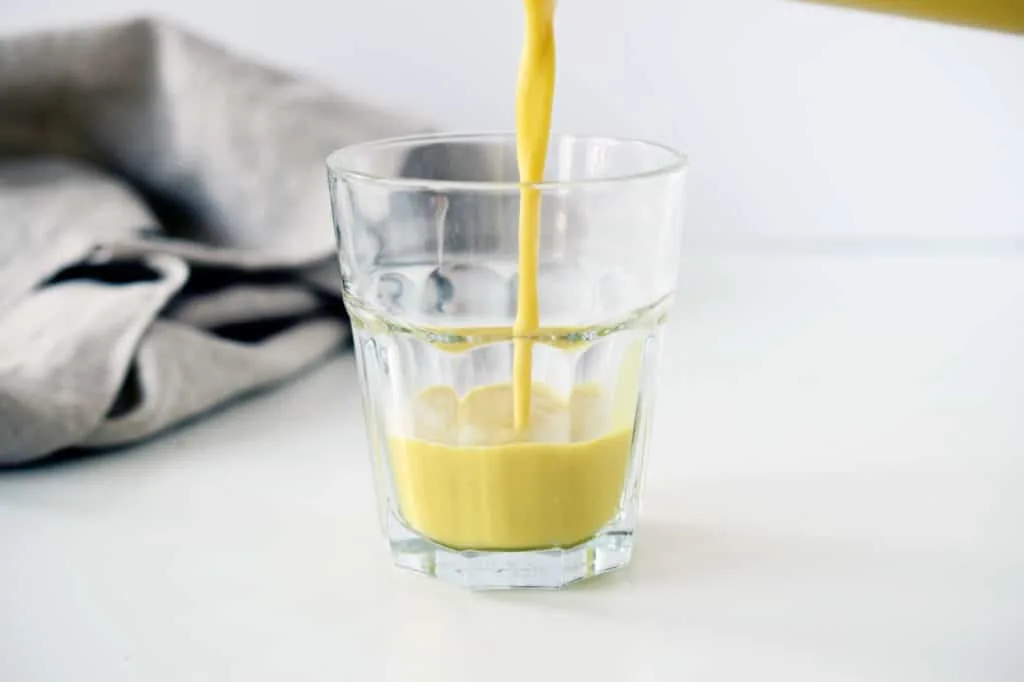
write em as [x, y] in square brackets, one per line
[497, 570]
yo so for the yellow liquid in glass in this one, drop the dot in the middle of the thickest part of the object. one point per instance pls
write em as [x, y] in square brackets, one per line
[508, 491]
[517, 466]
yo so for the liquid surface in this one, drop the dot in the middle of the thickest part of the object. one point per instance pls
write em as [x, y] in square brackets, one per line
[471, 479]
[511, 467]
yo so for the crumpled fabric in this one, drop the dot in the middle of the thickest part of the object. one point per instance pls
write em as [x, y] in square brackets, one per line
[165, 231]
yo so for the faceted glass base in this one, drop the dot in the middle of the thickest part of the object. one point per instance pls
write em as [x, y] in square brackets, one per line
[538, 569]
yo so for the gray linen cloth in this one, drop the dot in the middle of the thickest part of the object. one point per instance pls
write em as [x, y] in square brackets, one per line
[165, 238]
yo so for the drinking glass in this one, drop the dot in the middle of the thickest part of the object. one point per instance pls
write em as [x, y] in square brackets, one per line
[427, 233]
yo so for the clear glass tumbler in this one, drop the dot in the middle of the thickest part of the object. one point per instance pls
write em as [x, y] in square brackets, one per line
[427, 231]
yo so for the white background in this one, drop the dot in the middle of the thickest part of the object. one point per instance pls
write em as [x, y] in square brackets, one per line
[834, 491]
[830, 127]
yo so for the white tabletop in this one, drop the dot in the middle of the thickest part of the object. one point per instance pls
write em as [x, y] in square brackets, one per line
[834, 493]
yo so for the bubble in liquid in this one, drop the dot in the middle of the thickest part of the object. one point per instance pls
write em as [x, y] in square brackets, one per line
[435, 415]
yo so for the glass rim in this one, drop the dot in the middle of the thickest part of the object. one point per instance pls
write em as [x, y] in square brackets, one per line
[337, 167]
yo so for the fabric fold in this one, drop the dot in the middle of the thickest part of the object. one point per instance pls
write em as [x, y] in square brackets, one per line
[165, 236]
